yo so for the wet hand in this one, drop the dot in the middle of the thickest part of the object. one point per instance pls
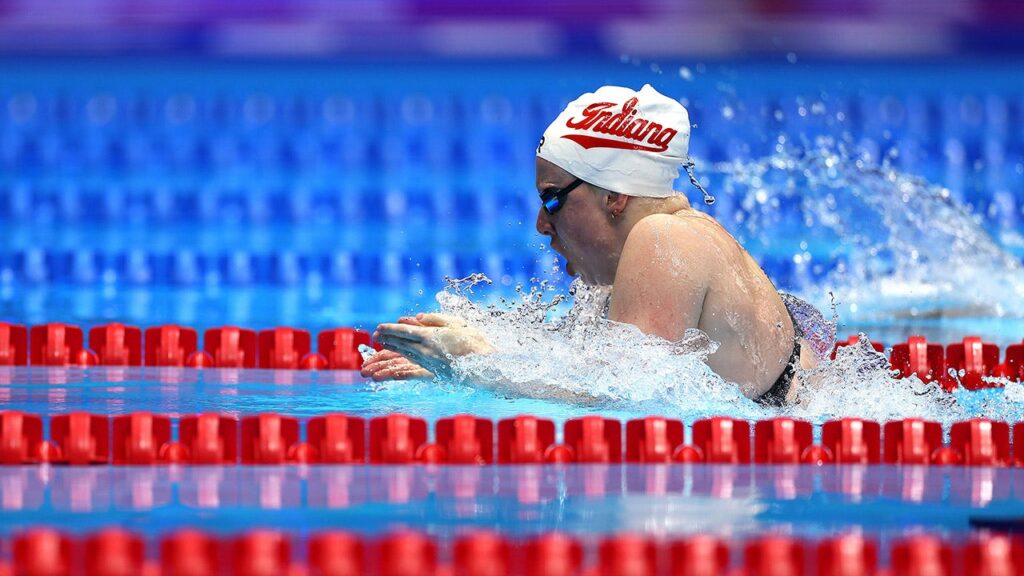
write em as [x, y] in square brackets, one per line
[432, 340]
[389, 365]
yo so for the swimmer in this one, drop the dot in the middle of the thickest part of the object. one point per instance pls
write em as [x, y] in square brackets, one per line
[605, 170]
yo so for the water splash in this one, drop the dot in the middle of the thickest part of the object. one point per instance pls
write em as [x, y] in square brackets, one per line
[898, 245]
[580, 358]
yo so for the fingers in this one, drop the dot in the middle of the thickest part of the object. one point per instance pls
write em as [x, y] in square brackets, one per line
[401, 331]
[402, 374]
[394, 367]
[391, 360]
[377, 359]
[439, 320]
[410, 321]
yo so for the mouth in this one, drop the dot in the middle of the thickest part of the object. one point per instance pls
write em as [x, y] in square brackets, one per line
[568, 265]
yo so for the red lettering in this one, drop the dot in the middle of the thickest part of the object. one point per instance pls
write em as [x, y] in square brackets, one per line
[625, 124]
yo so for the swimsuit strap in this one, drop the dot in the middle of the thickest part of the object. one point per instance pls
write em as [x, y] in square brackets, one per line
[776, 395]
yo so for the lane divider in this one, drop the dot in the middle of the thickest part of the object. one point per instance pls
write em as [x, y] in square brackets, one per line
[483, 553]
[116, 344]
[55, 344]
[143, 438]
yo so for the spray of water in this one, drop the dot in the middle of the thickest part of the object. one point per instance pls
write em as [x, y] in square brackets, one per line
[899, 245]
[582, 358]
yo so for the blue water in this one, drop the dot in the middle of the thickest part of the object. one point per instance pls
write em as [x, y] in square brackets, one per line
[324, 194]
[588, 500]
[328, 194]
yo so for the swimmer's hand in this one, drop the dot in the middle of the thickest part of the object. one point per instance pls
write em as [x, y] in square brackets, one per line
[388, 365]
[431, 341]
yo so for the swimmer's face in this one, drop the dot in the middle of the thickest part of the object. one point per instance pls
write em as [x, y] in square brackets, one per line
[579, 231]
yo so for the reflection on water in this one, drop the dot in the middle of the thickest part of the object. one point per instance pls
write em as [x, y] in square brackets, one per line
[584, 499]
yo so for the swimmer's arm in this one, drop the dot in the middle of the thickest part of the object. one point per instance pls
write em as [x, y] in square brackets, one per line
[412, 345]
[660, 286]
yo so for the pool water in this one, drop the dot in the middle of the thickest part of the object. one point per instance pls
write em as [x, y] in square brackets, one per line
[331, 194]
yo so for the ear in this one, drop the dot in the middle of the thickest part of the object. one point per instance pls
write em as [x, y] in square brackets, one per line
[616, 203]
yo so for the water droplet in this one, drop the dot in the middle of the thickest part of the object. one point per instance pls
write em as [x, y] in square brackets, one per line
[685, 73]
[791, 57]
[708, 198]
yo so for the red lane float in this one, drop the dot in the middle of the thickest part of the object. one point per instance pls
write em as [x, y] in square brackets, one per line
[852, 440]
[56, 344]
[855, 341]
[261, 553]
[524, 440]
[782, 441]
[340, 347]
[13, 345]
[847, 555]
[1014, 361]
[918, 357]
[407, 554]
[80, 438]
[336, 553]
[723, 440]
[653, 439]
[142, 438]
[116, 552]
[189, 553]
[231, 347]
[283, 348]
[209, 439]
[41, 551]
[286, 348]
[553, 555]
[976, 359]
[336, 439]
[699, 556]
[911, 441]
[396, 439]
[116, 344]
[465, 439]
[774, 556]
[169, 345]
[268, 438]
[21, 438]
[628, 555]
[481, 554]
[594, 439]
[921, 554]
[981, 442]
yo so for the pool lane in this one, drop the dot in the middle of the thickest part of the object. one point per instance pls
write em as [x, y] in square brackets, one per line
[586, 500]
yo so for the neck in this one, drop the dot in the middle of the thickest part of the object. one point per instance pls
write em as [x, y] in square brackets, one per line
[639, 208]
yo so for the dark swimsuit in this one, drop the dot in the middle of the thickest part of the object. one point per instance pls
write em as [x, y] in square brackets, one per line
[776, 395]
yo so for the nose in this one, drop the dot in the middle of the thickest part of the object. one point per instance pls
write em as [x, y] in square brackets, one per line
[544, 226]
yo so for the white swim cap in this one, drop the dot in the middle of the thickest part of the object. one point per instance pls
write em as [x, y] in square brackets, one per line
[622, 140]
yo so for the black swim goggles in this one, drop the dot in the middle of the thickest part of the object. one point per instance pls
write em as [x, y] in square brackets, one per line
[553, 198]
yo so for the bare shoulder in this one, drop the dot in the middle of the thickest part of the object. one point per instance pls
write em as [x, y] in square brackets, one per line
[662, 280]
[675, 236]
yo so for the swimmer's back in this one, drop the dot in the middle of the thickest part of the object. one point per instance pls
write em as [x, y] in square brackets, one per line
[684, 270]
